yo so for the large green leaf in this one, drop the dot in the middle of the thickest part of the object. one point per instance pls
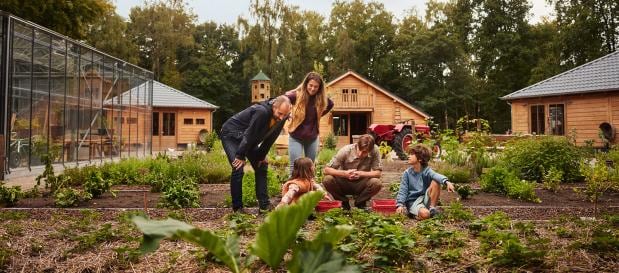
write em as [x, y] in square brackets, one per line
[318, 255]
[280, 228]
[157, 230]
[226, 251]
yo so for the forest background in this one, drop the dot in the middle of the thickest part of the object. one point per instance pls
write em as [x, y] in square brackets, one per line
[456, 58]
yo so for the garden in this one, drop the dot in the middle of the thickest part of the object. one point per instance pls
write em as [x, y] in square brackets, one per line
[536, 203]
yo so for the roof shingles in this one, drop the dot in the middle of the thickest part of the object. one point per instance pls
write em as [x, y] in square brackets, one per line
[598, 75]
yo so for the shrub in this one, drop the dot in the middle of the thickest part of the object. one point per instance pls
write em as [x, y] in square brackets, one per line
[531, 156]
[500, 180]
[464, 191]
[10, 195]
[330, 141]
[324, 156]
[181, 193]
[599, 178]
[68, 197]
[552, 179]
[249, 188]
[96, 185]
[456, 174]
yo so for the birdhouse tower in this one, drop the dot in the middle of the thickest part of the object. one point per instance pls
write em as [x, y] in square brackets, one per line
[260, 87]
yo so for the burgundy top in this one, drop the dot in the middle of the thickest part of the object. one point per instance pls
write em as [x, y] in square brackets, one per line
[308, 129]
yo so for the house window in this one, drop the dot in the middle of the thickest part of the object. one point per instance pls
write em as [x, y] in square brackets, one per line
[340, 124]
[353, 95]
[262, 86]
[155, 123]
[262, 96]
[188, 121]
[537, 120]
[344, 95]
[169, 120]
[200, 121]
[132, 120]
[255, 87]
[556, 119]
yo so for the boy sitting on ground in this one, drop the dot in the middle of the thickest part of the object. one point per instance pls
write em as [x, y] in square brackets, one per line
[419, 187]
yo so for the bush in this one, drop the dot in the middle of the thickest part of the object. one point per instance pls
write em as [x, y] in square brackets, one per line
[552, 179]
[330, 141]
[501, 180]
[464, 191]
[531, 156]
[10, 195]
[181, 193]
[324, 156]
[68, 197]
[456, 174]
[96, 185]
[249, 188]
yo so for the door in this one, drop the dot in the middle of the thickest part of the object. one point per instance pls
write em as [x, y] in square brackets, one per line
[164, 130]
[359, 123]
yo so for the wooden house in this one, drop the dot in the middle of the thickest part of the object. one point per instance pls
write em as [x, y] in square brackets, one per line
[359, 102]
[583, 101]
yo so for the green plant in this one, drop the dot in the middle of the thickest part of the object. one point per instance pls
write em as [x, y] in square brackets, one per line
[505, 249]
[241, 223]
[330, 141]
[181, 193]
[457, 212]
[68, 197]
[501, 180]
[529, 157]
[552, 179]
[96, 185]
[384, 149]
[389, 239]
[456, 174]
[90, 240]
[598, 180]
[10, 195]
[249, 188]
[273, 239]
[464, 191]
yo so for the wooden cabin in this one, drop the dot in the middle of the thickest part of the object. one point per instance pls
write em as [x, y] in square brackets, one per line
[359, 102]
[582, 101]
[178, 117]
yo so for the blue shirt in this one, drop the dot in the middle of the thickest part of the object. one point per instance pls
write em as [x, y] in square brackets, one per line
[414, 184]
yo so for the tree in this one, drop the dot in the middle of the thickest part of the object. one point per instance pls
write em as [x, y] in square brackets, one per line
[159, 29]
[71, 18]
[109, 34]
[210, 71]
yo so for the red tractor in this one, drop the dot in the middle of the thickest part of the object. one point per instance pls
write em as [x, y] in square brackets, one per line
[400, 136]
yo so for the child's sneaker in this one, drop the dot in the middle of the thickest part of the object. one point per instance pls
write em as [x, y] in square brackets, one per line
[433, 211]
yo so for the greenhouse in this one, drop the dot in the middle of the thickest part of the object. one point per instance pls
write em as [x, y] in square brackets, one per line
[63, 98]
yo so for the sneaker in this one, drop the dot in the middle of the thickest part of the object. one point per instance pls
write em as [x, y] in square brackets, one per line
[433, 212]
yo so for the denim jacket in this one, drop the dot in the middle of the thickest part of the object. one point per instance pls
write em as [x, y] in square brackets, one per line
[414, 184]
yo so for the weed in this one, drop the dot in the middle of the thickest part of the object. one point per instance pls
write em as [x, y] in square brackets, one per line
[242, 223]
[464, 191]
[10, 195]
[6, 215]
[552, 179]
[457, 212]
[126, 255]
[92, 239]
[14, 230]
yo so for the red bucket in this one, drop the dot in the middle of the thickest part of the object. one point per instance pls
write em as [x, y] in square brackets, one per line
[327, 205]
[385, 206]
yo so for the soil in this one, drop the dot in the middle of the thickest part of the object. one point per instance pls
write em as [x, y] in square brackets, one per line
[213, 197]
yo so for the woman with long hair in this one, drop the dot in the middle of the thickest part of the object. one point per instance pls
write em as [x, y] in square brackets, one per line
[310, 104]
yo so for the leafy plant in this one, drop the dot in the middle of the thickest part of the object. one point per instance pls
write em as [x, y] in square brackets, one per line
[464, 191]
[552, 179]
[330, 141]
[529, 157]
[598, 180]
[384, 149]
[69, 197]
[10, 195]
[501, 180]
[457, 212]
[96, 185]
[249, 188]
[274, 237]
[181, 193]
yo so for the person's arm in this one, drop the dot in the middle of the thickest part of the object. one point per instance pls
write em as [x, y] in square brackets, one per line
[402, 191]
[259, 120]
[318, 187]
[333, 167]
[441, 179]
[287, 198]
[270, 139]
[329, 107]
[376, 167]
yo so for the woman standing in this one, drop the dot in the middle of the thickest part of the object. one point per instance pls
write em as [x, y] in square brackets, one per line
[310, 104]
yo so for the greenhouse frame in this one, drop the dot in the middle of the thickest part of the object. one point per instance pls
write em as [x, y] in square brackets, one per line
[62, 99]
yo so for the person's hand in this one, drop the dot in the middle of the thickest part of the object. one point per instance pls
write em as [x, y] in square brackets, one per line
[350, 173]
[328, 197]
[238, 163]
[280, 205]
[401, 210]
[450, 187]
[356, 175]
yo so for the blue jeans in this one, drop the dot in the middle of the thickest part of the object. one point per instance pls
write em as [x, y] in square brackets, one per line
[297, 148]
[231, 145]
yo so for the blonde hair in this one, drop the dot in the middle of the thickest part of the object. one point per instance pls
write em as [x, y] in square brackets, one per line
[303, 96]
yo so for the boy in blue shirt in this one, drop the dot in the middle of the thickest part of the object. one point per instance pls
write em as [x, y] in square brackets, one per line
[419, 188]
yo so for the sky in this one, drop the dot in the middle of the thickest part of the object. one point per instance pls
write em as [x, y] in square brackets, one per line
[227, 11]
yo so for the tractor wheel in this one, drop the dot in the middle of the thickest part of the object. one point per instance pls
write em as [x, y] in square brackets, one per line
[401, 141]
